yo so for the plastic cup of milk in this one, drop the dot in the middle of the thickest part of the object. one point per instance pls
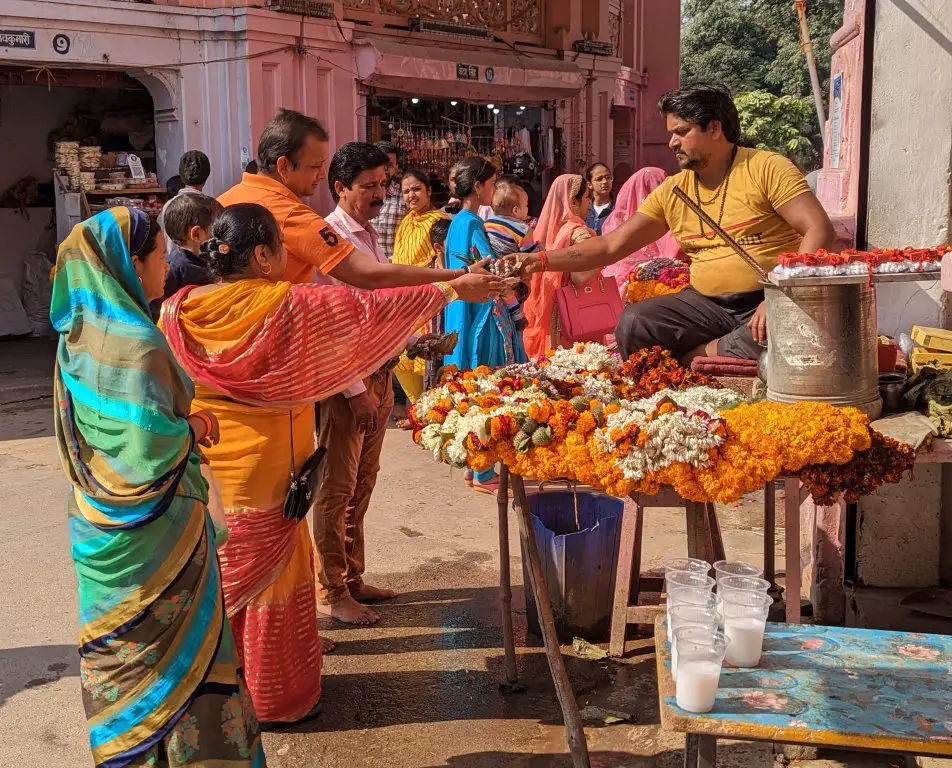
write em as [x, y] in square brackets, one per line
[724, 568]
[745, 618]
[700, 656]
[699, 596]
[744, 583]
[689, 616]
[739, 584]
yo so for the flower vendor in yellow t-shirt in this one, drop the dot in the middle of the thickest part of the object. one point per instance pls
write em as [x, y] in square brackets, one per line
[760, 198]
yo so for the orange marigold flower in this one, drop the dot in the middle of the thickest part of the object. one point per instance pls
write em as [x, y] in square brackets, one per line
[540, 411]
[586, 423]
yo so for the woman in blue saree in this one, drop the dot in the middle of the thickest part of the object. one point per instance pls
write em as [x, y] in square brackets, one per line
[486, 332]
[161, 683]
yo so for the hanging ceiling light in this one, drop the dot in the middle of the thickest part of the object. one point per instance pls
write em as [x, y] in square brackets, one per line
[415, 101]
[496, 111]
[522, 108]
[490, 106]
[453, 103]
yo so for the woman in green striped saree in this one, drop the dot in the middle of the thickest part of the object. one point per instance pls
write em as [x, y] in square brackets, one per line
[161, 685]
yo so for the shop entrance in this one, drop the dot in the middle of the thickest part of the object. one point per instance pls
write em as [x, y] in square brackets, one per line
[435, 134]
[40, 108]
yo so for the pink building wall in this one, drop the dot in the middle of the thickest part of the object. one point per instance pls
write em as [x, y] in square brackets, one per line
[318, 82]
[838, 181]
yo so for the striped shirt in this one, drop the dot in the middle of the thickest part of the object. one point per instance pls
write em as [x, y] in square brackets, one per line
[508, 235]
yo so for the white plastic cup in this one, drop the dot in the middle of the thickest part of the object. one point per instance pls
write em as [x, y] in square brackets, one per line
[745, 583]
[745, 618]
[683, 579]
[689, 616]
[685, 565]
[700, 657]
[724, 568]
[697, 596]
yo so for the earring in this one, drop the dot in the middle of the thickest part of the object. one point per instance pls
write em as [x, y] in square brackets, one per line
[264, 271]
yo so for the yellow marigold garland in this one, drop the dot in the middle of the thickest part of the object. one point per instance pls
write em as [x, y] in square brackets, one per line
[758, 442]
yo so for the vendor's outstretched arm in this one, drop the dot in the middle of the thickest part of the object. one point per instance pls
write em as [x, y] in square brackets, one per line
[805, 214]
[598, 252]
[361, 271]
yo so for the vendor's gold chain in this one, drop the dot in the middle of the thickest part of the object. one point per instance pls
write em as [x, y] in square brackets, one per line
[725, 184]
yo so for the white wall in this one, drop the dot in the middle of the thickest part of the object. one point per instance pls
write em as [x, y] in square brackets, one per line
[27, 115]
[910, 148]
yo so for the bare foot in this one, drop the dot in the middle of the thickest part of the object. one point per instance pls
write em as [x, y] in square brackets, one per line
[349, 611]
[367, 592]
[327, 645]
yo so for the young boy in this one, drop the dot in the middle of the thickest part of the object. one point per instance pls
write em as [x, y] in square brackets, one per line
[187, 219]
[509, 232]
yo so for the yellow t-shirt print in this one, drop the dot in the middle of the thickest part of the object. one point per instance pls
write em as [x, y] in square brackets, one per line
[760, 182]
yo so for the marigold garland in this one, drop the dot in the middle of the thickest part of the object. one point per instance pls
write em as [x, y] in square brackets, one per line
[656, 424]
[884, 461]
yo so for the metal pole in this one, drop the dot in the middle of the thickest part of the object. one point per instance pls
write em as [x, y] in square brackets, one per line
[806, 46]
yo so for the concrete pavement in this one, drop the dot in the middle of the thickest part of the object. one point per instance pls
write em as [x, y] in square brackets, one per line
[419, 690]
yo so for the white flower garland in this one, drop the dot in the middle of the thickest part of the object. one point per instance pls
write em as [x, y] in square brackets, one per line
[678, 436]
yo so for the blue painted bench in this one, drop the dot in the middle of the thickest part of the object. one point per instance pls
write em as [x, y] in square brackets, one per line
[824, 686]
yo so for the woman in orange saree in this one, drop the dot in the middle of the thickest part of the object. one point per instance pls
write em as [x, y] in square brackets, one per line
[261, 352]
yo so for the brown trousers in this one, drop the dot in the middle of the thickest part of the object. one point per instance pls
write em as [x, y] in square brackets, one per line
[348, 476]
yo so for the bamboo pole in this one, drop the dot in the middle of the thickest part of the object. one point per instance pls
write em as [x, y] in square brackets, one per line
[563, 688]
[806, 45]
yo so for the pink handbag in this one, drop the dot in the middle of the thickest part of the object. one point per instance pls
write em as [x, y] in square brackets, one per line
[590, 311]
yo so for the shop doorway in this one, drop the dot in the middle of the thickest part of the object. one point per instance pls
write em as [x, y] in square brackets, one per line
[40, 107]
[435, 134]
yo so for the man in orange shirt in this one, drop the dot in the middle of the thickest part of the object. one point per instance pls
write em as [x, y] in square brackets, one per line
[292, 158]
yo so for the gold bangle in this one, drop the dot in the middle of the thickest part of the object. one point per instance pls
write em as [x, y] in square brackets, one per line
[449, 292]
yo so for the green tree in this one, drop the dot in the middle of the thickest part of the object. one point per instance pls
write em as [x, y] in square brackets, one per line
[723, 42]
[754, 46]
[780, 124]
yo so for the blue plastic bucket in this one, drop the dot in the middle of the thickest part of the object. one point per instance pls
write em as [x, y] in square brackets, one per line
[578, 564]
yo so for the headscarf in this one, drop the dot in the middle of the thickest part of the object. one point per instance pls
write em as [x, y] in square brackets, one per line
[124, 427]
[629, 200]
[412, 244]
[554, 231]
[137, 522]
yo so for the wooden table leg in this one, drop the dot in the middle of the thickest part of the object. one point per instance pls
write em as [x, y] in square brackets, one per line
[690, 750]
[791, 505]
[713, 527]
[505, 584]
[698, 535]
[563, 687]
[770, 532]
[706, 751]
[623, 576]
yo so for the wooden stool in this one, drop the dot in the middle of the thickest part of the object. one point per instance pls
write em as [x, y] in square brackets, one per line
[704, 542]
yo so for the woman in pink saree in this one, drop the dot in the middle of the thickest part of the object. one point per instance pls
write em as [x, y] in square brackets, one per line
[629, 200]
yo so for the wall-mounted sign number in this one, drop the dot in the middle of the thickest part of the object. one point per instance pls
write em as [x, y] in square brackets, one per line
[61, 44]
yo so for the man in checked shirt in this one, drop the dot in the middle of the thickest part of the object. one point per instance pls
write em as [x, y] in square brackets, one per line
[394, 207]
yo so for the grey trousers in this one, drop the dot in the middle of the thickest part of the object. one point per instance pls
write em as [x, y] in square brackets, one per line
[684, 321]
